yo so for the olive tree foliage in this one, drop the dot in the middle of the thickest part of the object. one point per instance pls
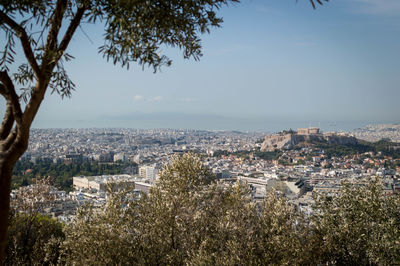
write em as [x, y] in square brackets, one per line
[189, 218]
[197, 221]
[315, 2]
[101, 236]
[359, 227]
[33, 239]
[35, 198]
[150, 229]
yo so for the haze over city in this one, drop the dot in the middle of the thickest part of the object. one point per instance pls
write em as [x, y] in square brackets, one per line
[272, 65]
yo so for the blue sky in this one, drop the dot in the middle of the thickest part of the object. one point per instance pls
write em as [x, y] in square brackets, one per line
[273, 62]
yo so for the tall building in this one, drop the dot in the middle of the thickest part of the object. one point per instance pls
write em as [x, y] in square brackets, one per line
[148, 172]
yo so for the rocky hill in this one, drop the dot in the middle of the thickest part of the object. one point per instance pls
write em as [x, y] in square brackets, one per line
[287, 140]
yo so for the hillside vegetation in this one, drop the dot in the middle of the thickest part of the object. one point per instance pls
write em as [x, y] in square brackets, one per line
[189, 218]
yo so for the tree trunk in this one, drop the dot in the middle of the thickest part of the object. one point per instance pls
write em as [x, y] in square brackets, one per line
[7, 161]
[6, 167]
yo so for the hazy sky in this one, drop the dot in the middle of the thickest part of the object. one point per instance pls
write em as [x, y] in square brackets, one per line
[272, 60]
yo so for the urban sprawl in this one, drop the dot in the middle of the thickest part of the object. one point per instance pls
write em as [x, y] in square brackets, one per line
[285, 162]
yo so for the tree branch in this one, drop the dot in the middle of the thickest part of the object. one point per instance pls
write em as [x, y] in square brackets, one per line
[7, 123]
[75, 22]
[23, 36]
[2, 90]
[8, 91]
[52, 37]
[40, 89]
[7, 143]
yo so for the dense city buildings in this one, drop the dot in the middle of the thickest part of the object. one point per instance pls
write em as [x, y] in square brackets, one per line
[304, 163]
[378, 132]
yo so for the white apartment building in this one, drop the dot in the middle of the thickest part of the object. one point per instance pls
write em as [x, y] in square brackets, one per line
[100, 183]
[148, 172]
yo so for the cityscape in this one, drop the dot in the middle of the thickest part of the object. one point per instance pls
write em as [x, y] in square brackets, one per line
[295, 170]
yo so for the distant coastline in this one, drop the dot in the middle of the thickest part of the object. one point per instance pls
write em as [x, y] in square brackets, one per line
[207, 122]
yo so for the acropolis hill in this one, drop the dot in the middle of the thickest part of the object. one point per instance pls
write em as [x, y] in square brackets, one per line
[304, 137]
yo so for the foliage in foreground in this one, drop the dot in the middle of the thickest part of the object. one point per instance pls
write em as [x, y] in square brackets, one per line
[360, 227]
[33, 240]
[189, 218]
